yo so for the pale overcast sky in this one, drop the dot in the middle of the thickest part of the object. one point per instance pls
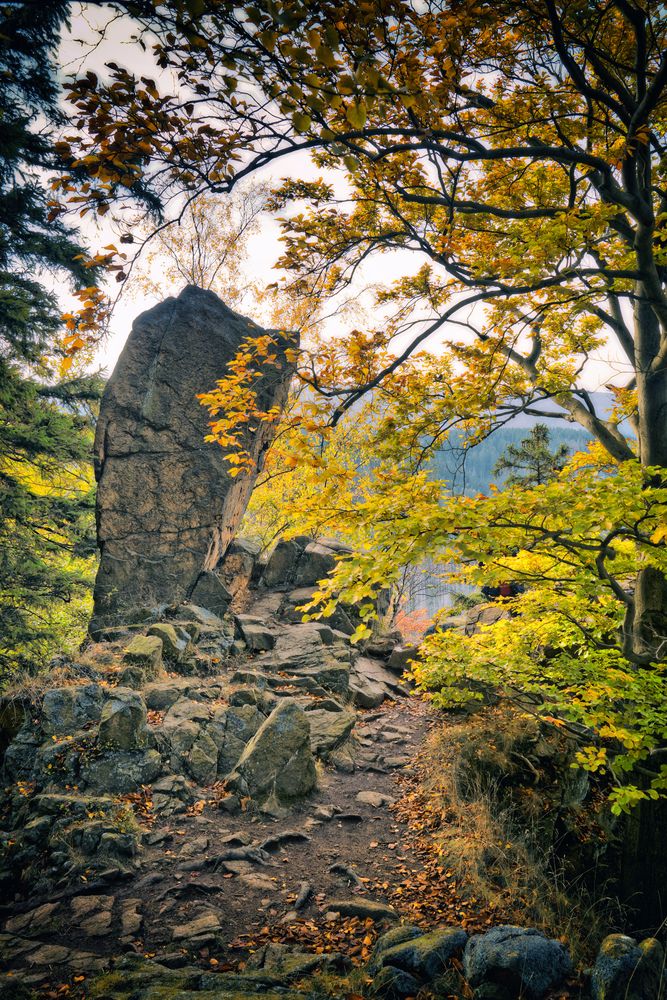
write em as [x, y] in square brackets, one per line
[265, 247]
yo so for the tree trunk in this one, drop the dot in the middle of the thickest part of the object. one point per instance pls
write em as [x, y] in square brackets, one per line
[650, 613]
[644, 855]
[644, 863]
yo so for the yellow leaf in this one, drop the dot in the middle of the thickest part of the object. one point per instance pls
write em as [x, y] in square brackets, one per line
[659, 534]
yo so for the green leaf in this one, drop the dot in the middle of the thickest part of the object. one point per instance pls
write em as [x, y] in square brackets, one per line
[357, 114]
[301, 122]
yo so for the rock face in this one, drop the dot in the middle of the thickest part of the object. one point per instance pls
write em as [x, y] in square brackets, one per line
[166, 505]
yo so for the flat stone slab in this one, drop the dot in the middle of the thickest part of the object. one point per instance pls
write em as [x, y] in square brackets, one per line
[375, 799]
[207, 923]
[364, 908]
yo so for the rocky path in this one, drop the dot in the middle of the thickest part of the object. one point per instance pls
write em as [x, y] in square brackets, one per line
[208, 807]
[204, 786]
[339, 845]
[318, 876]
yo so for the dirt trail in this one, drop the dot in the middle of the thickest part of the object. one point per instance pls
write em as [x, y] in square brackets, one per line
[208, 887]
[340, 846]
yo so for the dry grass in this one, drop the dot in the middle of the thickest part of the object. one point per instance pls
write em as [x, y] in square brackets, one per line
[98, 661]
[497, 829]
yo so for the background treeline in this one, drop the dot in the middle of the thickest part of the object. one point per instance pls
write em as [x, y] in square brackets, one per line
[46, 421]
[470, 471]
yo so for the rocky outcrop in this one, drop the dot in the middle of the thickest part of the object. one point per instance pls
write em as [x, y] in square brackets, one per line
[295, 567]
[249, 715]
[167, 507]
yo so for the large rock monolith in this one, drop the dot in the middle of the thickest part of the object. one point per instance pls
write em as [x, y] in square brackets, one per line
[167, 507]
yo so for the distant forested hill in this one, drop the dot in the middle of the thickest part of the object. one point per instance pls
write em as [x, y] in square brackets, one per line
[469, 471]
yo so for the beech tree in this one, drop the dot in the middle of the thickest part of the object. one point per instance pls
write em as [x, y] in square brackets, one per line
[518, 150]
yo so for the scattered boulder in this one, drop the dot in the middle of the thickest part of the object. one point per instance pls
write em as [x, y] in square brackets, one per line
[508, 962]
[343, 758]
[376, 672]
[257, 637]
[397, 935]
[280, 568]
[123, 721]
[231, 729]
[625, 970]
[278, 761]
[144, 661]
[401, 657]
[426, 956]
[145, 651]
[193, 613]
[201, 760]
[211, 593]
[186, 710]
[329, 729]
[375, 799]
[68, 709]
[176, 642]
[172, 794]
[366, 693]
[161, 695]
